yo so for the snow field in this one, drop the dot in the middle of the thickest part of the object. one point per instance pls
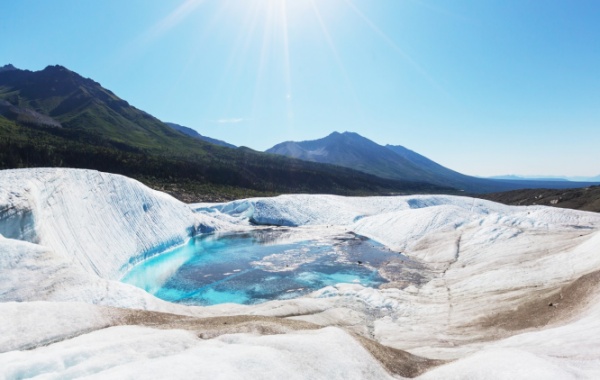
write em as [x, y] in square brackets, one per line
[67, 236]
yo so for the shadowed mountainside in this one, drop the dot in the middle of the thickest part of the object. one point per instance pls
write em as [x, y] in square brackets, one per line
[98, 130]
[586, 199]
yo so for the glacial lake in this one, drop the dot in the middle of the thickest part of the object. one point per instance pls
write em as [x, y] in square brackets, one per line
[254, 267]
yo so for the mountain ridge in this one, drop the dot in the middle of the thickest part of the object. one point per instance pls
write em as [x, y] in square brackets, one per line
[347, 149]
[104, 132]
[193, 133]
[352, 150]
[7, 67]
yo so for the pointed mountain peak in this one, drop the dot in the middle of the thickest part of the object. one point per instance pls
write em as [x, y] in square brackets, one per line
[351, 139]
[61, 71]
[69, 80]
[346, 135]
[351, 150]
[8, 67]
[58, 69]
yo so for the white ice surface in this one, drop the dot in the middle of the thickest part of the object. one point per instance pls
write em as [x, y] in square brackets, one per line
[131, 352]
[512, 364]
[69, 234]
[27, 325]
[100, 221]
[31, 272]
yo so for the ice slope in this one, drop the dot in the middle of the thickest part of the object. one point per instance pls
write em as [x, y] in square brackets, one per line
[30, 272]
[131, 352]
[26, 325]
[307, 210]
[69, 235]
[488, 262]
[102, 222]
[569, 351]
[511, 291]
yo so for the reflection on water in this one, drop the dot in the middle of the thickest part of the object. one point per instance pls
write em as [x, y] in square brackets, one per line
[257, 266]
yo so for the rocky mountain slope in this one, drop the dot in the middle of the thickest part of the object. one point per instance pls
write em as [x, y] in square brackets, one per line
[55, 117]
[396, 162]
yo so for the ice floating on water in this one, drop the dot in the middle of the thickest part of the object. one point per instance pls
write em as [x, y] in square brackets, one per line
[202, 273]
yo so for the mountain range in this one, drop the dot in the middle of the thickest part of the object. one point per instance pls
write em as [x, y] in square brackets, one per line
[352, 150]
[56, 117]
[82, 104]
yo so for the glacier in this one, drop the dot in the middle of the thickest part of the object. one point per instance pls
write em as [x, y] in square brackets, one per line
[511, 292]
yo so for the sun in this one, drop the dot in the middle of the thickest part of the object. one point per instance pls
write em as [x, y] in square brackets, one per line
[266, 36]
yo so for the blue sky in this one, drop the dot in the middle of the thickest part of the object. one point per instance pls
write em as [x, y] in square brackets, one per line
[483, 87]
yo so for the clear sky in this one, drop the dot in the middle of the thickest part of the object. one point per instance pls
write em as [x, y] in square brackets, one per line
[484, 87]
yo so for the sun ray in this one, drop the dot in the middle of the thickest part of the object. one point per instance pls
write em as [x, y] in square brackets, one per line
[439, 10]
[415, 65]
[287, 65]
[336, 56]
[247, 33]
[236, 60]
[172, 19]
[192, 57]
[263, 60]
[137, 45]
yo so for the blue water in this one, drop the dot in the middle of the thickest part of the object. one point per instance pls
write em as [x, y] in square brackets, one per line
[249, 268]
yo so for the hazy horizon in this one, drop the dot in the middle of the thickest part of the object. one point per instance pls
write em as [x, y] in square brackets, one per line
[483, 88]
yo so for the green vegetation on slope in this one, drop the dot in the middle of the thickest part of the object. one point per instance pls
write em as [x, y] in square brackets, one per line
[56, 118]
[207, 176]
[586, 198]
